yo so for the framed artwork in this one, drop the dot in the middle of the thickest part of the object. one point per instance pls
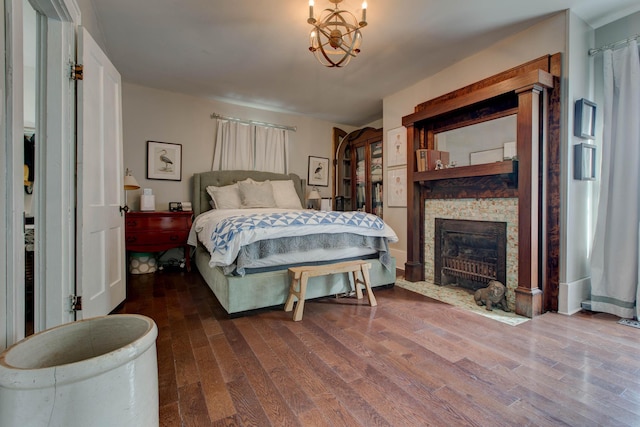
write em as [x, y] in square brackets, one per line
[486, 156]
[397, 147]
[164, 161]
[318, 171]
[584, 162]
[584, 121]
[397, 193]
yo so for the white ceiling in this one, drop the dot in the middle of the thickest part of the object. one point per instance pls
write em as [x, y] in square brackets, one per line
[255, 53]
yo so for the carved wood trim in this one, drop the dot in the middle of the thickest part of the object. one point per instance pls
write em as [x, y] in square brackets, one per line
[535, 77]
[414, 268]
[551, 285]
[548, 63]
[483, 187]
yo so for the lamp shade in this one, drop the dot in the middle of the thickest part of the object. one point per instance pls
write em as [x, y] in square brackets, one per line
[130, 183]
[314, 195]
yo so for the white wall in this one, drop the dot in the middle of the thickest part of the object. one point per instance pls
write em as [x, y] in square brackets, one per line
[618, 30]
[586, 81]
[577, 213]
[613, 32]
[157, 115]
[582, 196]
[547, 37]
[91, 23]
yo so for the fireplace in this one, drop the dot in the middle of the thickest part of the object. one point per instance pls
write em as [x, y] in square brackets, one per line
[469, 253]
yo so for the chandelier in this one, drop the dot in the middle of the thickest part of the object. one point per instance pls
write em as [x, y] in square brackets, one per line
[335, 37]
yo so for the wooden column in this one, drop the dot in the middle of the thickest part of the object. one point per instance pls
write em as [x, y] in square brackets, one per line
[414, 267]
[528, 292]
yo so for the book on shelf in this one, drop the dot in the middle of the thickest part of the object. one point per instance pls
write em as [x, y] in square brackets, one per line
[421, 159]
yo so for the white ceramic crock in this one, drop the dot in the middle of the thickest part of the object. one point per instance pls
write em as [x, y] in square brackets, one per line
[95, 372]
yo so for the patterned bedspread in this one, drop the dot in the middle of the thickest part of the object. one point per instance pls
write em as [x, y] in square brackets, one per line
[228, 228]
[225, 232]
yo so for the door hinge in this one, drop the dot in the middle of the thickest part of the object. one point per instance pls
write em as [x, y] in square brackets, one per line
[76, 302]
[77, 71]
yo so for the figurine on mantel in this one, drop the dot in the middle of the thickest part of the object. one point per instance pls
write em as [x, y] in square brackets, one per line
[494, 295]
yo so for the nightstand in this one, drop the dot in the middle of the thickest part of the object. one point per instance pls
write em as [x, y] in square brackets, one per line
[158, 231]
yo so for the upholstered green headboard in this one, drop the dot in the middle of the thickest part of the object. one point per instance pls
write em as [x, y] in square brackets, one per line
[220, 178]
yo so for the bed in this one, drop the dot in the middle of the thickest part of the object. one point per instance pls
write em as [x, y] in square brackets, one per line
[243, 286]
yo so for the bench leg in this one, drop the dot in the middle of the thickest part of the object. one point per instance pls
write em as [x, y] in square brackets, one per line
[356, 283]
[293, 291]
[297, 314]
[367, 284]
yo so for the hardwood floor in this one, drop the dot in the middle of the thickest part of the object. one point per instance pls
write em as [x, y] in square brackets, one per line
[410, 361]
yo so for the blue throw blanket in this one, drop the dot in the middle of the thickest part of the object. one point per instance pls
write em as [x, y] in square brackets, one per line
[228, 228]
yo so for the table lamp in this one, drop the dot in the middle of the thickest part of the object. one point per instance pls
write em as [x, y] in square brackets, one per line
[130, 183]
[313, 198]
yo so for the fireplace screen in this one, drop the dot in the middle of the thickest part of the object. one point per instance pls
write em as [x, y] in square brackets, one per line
[470, 253]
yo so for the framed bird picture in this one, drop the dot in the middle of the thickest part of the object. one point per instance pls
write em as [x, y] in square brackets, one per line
[318, 171]
[164, 161]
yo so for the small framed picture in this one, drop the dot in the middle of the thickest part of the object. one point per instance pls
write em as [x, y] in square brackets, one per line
[164, 161]
[486, 156]
[318, 171]
[585, 119]
[584, 162]
[397, 147]
[397, 188]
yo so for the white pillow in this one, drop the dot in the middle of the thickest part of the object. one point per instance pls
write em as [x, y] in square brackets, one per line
[227, 197]
[284, 193]
[256, 194]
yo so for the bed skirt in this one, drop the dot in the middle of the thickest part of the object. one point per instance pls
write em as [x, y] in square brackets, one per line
[252, 291]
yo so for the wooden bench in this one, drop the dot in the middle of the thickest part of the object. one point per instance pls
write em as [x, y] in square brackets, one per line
[300, 276]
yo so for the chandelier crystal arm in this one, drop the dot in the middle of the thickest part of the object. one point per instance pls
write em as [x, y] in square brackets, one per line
[341, 46]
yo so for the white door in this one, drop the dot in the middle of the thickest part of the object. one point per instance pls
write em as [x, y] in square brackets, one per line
[100, 261]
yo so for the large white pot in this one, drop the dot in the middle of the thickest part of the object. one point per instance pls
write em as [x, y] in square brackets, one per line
[96, 372]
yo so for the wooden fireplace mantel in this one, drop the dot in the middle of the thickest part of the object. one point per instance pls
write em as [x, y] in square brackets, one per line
[524, 91]
[507, 168]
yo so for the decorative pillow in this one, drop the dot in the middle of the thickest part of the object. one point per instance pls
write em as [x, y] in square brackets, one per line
[227, 197]
[256, 194]
[284, 193]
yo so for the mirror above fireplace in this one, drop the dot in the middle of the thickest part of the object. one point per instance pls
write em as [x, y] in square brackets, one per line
[480, 143]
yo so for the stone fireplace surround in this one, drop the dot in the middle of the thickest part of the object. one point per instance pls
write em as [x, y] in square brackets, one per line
[492, 209]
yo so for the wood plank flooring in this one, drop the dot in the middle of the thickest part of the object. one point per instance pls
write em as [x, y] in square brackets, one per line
[410, 361]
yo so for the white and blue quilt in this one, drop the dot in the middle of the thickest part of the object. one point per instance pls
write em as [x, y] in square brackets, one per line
[225, 231]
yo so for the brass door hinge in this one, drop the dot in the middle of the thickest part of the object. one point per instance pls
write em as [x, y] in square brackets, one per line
[76, 302]
[77, 71]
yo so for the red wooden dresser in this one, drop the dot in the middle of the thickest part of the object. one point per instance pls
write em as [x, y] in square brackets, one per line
[158, 231]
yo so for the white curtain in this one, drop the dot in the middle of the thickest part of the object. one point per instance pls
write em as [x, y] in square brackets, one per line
[272, 153]
[234, 146]
[241, 146]
[615, 257]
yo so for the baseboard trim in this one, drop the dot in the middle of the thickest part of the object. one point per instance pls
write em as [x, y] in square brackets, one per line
[571, 295]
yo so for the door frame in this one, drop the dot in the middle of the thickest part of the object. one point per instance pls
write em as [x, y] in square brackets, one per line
[55, 118]
[12, 188]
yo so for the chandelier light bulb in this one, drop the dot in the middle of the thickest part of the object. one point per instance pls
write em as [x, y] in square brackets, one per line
[364, 14]
[311, 19]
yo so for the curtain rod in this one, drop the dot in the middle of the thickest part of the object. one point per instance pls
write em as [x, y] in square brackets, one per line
[253, 122]
[620, 43]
